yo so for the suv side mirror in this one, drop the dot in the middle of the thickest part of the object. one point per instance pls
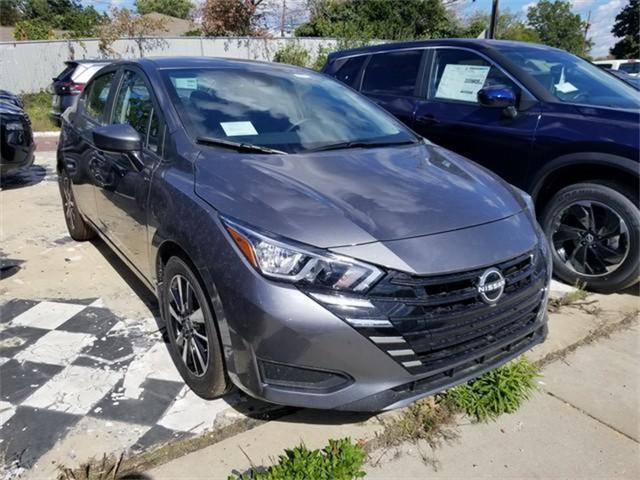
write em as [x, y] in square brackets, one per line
[117, 138]
[497, 96]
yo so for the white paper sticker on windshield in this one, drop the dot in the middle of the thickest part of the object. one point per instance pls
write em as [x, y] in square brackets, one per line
[238, 129]
[565, 87]
[462, 82]
[186, 83]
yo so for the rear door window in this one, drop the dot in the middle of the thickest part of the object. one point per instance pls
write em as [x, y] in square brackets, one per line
[347, 70]
[95, 98]
[392, 73]
[458, 75]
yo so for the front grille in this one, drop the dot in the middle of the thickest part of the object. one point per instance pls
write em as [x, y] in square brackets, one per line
[434, 323]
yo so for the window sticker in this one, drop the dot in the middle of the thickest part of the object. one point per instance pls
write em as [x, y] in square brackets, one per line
[238, 129]
[186, 83]
[462, 82]
[565, 87]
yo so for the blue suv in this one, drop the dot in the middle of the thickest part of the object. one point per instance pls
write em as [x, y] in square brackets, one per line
[551, 123]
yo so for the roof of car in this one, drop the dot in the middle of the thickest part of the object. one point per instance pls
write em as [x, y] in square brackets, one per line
[190, 62]
[89, 61]
[475, 43]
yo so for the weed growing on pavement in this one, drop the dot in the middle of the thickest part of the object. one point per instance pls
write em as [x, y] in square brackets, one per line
[570, 298]
[498, 391]
[106, 469]
[428, 420]
[340, 460]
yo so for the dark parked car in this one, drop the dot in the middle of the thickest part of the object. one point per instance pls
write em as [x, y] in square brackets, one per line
[16, 139]
[11, 98]
[70, 83]
[304, 245]
[625, 77]
[551, 123]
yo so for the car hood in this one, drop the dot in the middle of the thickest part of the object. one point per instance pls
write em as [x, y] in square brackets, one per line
[353, 196]
[7, 108]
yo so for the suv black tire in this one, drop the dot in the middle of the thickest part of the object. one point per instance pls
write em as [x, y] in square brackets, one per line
[605, 195]
[211, 381]
[78, 229]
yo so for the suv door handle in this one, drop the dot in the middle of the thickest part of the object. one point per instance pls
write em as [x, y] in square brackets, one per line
[428, 119]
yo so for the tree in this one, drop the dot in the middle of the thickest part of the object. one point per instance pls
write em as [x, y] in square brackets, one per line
[82, 23]
[124, 23]
[510, 27]
[42, 15]
[174, 8]
[627, 28]
[229, 17]
[557, 26]
[32, 30]
[10, 12]
[379, 19]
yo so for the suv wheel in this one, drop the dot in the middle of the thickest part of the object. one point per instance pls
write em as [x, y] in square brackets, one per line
[594, 231]
[193, 337]
[78, 229]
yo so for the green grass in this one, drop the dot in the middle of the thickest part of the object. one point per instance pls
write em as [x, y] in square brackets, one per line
[340, 460]
[498, 391]
[37, 106]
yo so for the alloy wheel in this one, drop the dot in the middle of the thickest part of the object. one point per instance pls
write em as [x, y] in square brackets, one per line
[590, 238]
[67, 202]
[188, 326]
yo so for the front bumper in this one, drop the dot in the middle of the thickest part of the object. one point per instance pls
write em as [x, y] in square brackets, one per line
[285, 347]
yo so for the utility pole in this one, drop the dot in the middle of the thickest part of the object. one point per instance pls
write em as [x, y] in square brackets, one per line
[283, 17]
[494, 20]
[586, 31]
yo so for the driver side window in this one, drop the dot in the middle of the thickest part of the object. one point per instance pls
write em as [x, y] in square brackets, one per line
[134, 106]
[458, 75]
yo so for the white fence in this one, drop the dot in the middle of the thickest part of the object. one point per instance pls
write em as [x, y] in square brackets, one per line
[27, 67]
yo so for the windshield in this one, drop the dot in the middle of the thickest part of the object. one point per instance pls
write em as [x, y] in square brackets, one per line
[284, 109]
[571, 79]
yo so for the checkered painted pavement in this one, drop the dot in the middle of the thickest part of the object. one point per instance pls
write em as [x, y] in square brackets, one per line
[72, 373]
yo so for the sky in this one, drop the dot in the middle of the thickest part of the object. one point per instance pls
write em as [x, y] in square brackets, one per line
[603, 13]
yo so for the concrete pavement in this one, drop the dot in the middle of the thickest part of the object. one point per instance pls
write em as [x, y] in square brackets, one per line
[582, 423]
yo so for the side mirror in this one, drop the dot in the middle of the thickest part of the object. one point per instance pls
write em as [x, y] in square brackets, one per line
[117, 138]
[497, 96]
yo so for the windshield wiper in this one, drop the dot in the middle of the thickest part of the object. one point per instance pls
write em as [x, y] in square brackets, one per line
[361, 144]
[240, 147]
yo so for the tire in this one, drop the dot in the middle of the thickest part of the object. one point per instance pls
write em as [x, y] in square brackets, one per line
[78, 229]
[201, 365]
[594, 232]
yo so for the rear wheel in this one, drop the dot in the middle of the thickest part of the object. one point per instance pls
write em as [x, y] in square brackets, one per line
[594, 231]
[193, 336]
[78, 229]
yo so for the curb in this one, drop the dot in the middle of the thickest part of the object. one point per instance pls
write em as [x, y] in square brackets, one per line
[49, 134]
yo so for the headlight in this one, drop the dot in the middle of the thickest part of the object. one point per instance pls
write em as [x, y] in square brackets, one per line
[286, 261]
[14, 127]
[526, 199]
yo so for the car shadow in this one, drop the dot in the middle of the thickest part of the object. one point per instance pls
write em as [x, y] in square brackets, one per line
[24, 177]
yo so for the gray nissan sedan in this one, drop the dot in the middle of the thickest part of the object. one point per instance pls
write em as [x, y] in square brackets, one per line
[304, 245]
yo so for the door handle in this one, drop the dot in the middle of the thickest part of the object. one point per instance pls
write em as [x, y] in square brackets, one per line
[428, 119]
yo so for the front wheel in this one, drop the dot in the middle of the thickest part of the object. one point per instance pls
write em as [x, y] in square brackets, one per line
[594, 232]
[78, 229]
[193, 336]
